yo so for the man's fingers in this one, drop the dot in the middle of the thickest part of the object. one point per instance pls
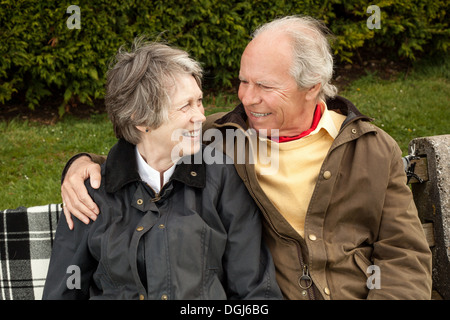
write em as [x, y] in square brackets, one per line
[73, 190]
[83, 207]
[80, 199]
[70, 210]
[68, 217]
[95, 175]
[85, 204]
[74, 203]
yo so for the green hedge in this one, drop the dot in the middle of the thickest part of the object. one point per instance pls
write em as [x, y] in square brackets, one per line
[41, 57]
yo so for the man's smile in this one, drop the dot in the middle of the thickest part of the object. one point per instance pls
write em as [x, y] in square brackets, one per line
[259, 115]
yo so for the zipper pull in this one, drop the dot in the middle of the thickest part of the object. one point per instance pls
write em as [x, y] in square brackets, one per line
[156, 198]
[305, 281]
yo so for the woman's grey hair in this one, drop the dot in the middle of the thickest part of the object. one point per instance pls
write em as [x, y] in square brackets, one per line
[312, 58]
[140, 84]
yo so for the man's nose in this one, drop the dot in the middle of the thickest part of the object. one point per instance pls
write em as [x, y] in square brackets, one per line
[249, 95]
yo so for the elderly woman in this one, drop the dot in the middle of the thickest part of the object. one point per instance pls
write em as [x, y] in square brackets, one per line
[166, 230]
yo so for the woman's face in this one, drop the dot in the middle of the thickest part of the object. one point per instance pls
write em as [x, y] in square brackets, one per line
[181, 135]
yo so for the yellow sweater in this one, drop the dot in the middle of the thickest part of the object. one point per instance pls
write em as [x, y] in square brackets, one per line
[299, 162]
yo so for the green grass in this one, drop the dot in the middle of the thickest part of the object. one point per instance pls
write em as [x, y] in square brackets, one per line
[417, 105]
[33, 155]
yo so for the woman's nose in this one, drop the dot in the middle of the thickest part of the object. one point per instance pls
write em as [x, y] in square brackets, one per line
[198, 115]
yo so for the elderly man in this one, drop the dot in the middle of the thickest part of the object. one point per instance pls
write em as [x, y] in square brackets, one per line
[338, 217]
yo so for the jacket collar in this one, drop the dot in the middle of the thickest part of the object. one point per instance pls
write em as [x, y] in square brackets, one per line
[121, 168]
[345, 107]
[338, 104]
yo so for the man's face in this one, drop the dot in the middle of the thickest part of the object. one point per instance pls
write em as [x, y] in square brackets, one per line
[269, 93]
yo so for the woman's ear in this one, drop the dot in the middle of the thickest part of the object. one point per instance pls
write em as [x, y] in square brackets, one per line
[143, 129]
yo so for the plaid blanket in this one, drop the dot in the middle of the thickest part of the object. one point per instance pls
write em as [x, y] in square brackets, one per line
[26, 239]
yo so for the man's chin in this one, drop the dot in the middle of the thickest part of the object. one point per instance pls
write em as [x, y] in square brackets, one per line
[264, 130]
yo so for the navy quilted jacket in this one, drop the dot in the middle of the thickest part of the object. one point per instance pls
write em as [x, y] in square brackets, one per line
[199, 238]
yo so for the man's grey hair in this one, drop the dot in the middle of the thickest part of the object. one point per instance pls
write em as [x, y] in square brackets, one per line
[312, 58]
[140, 84]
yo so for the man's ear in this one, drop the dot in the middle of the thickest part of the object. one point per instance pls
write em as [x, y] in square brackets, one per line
[313, 92]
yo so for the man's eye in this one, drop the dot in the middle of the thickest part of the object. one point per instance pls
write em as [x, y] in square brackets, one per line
[184, 108]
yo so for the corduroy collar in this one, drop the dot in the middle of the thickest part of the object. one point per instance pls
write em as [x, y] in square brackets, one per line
[121, 168]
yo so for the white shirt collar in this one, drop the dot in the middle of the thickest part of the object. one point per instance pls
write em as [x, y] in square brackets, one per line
[150, 175]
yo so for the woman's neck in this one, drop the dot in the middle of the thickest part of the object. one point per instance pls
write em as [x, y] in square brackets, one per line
[156, 157]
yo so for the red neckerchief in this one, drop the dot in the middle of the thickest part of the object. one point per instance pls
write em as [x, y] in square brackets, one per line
[316, 119]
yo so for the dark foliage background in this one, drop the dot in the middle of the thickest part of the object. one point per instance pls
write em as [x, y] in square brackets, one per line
[41, 57]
